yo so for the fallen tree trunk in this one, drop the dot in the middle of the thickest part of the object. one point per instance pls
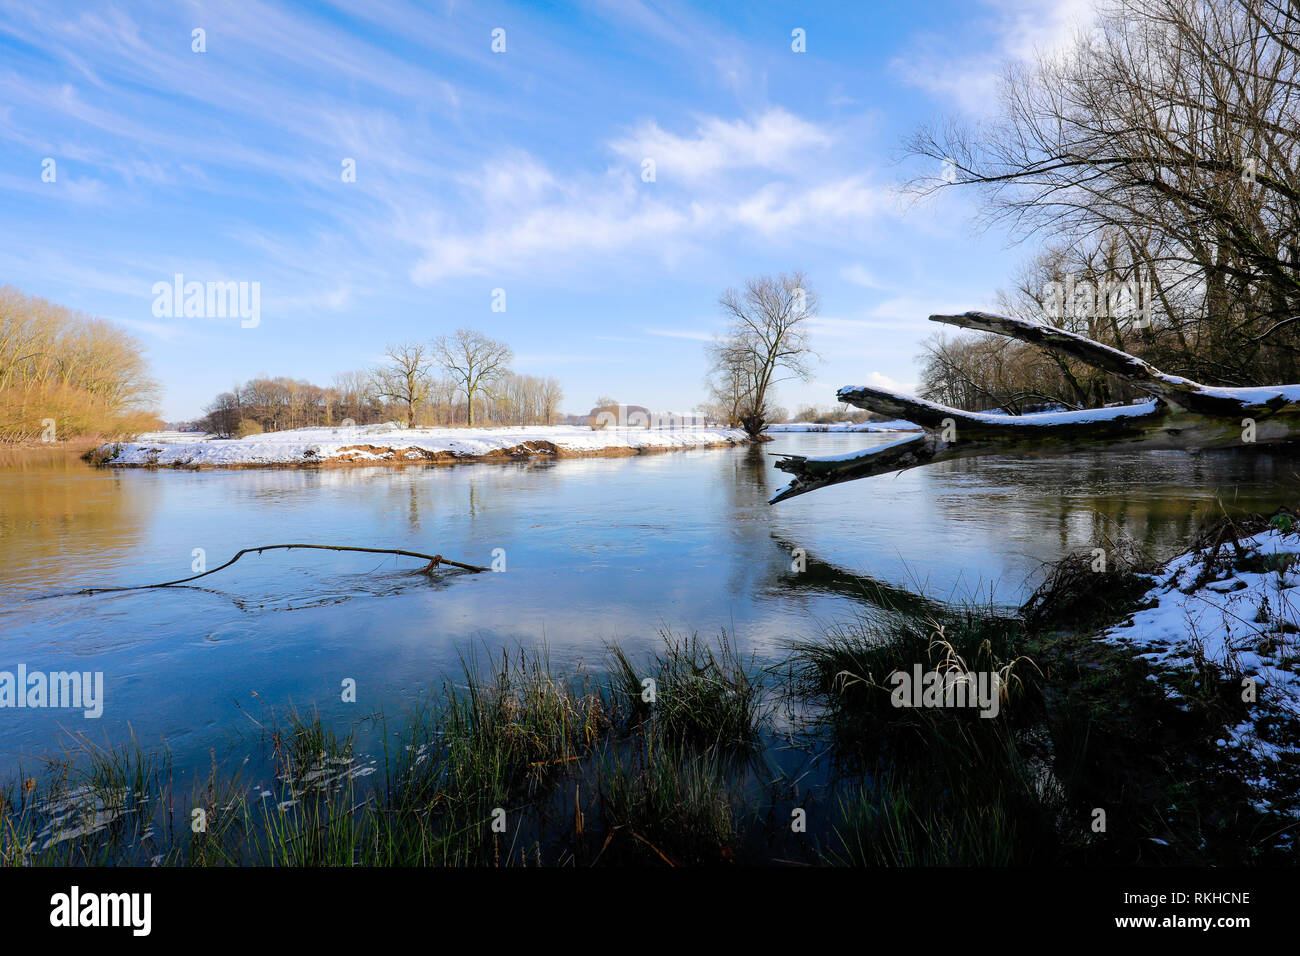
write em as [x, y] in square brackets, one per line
[1181, 414]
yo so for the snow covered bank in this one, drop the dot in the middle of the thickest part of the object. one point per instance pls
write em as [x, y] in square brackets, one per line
[1236, 608]
[389, 443]
[891, 426]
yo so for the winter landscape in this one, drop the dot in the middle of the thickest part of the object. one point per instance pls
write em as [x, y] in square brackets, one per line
[429, 438]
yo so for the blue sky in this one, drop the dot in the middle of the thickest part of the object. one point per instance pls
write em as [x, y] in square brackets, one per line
[478, 170]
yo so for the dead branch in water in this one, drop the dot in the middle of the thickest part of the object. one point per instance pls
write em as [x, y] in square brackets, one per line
[433, 559]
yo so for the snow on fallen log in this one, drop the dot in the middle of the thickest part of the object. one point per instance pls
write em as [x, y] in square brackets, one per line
[391, 444]
[838, 427]
[1181, 414]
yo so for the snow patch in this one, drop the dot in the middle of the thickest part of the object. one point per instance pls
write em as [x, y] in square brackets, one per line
[1243, 615]
[390, 442]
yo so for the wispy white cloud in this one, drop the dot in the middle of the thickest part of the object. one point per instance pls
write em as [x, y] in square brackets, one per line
[165, 331]
[564, 222]
[772, 141]
[877, 380]
[682, 334]
[778, 208]
[551, 234]
[510, 181]
[949, 68]
[860, 275]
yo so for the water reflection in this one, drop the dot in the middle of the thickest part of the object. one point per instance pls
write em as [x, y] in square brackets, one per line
[596, 550]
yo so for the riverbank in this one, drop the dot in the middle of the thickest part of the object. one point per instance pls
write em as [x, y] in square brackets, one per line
[391, 444]
[1219, 628]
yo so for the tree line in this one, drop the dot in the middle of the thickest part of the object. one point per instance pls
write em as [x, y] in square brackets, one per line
[1156, 164]
[65, 374]
[459, 379]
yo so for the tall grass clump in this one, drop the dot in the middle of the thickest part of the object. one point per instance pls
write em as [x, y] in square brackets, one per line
[665, 802]
[703, 695]
[849, 674]
[502, 741]
[895, 822]
[931, 784]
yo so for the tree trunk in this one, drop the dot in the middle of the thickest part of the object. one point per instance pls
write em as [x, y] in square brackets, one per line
[753, 425]
[1181, 414]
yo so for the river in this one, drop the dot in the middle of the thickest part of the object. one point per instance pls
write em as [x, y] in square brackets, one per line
[594, 550]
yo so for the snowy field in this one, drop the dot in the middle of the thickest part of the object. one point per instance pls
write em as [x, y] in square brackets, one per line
[892, 426]
[391, 443]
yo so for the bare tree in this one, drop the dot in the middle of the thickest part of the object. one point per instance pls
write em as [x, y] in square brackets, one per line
[357, 400]
[1173, 129]
[728, 386]
[551, 396]
[524, 400]
[223, 414]
[766, 342]
[405, 379]
[474, 362]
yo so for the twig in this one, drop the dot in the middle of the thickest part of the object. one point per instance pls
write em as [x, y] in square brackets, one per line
[653, 847]
[433, 559]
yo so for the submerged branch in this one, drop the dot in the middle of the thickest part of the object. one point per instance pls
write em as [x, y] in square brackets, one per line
[433, 559]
